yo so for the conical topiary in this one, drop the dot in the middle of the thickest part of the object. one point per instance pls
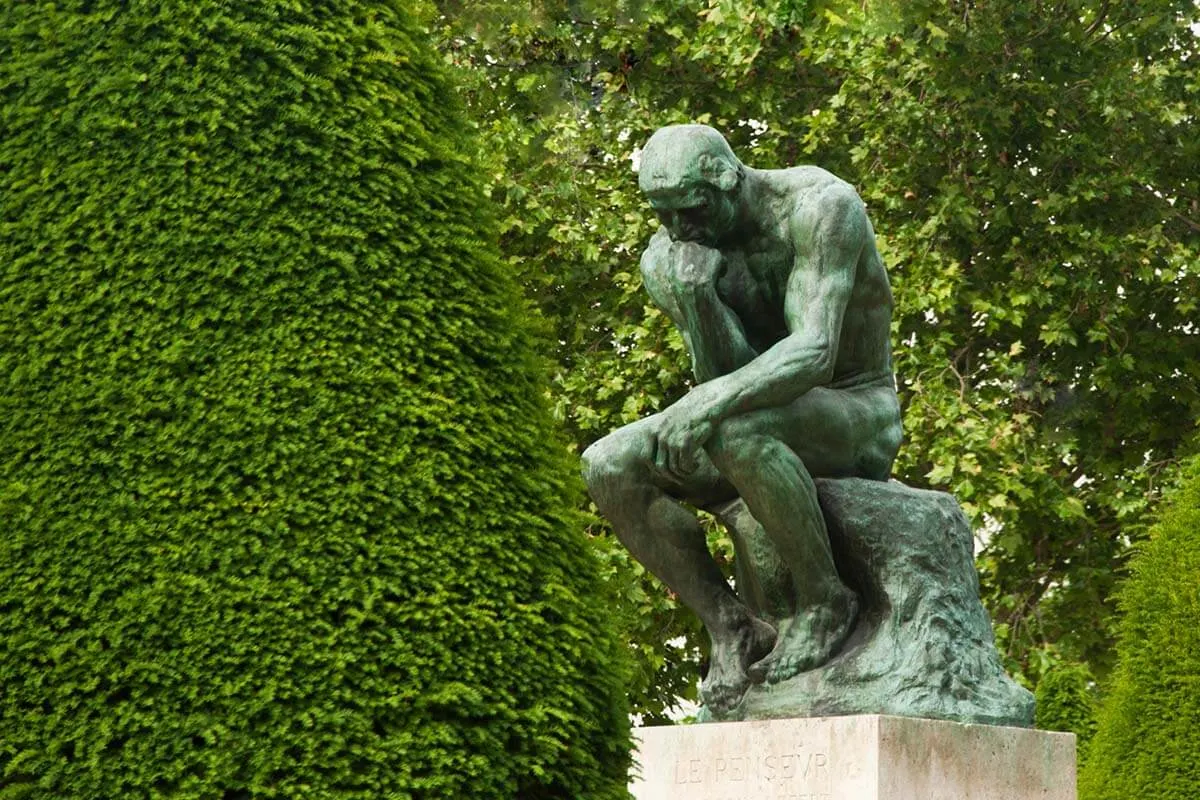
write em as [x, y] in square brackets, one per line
[283, 515]
[1148, 737]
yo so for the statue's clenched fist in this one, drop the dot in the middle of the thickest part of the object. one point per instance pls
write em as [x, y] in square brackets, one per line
[693, 264]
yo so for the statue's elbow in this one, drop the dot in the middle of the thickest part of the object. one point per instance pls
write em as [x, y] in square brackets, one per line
[814, 365]
[823, 368]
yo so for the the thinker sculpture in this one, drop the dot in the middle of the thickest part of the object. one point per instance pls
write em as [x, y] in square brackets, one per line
[774, 281]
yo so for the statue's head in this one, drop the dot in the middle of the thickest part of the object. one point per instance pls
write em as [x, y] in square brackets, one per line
[691, 177]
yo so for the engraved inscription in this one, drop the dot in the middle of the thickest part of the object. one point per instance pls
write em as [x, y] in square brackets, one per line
[802, 774]
[811, 766]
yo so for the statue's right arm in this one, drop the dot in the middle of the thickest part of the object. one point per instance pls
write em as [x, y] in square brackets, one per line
[655, 265]
[682, 279]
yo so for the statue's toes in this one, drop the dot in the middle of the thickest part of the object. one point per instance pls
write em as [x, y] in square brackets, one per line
[722, 697]
[715, 698]
[789, 665]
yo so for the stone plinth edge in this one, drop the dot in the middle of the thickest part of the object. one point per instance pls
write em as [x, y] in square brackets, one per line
[866, 757]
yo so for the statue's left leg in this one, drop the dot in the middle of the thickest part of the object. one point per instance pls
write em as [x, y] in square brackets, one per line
[771, 457]
[643, 503]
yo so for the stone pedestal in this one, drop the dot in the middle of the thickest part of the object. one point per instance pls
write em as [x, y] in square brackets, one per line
[868, 757]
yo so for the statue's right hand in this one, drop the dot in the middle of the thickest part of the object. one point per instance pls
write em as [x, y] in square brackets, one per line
[693, 264]
[681, 432]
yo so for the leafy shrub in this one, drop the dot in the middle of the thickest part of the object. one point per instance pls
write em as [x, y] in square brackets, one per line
[283, 515]
[1147, 740]
[1065, 703]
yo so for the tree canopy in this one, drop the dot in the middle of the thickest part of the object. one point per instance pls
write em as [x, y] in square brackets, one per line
[1031, 171]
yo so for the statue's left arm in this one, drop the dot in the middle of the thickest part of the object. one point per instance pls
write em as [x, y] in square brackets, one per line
[829, 234]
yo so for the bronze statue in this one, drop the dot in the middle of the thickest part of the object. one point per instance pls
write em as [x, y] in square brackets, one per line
[773, 278]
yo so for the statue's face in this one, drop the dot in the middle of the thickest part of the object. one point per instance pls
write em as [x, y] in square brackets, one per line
[698, 213]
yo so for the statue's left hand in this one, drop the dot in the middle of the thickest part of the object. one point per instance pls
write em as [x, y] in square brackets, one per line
[682, 431]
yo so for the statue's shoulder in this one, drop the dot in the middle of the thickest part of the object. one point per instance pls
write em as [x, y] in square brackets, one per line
[808, 197]
[810, 184]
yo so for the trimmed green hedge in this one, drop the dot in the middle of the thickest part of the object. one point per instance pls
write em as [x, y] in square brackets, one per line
[1065, 703]
[1148, 740]
[282, 511]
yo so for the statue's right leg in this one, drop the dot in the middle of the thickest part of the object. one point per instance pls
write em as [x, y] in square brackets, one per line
[643, 505]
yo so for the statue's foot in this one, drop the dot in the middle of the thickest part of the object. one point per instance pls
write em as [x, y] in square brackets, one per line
[727, 679]
[813, 637]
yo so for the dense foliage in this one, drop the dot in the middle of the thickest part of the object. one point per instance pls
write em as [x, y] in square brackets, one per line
[1030, 168]
[283, 514]
[1147, 739]
[1066, 702]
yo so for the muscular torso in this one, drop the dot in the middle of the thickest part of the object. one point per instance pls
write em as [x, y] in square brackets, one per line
[760, 257]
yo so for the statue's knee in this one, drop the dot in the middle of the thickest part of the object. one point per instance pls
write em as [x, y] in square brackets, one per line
[592, 463]
[737, 442]
[607, 465]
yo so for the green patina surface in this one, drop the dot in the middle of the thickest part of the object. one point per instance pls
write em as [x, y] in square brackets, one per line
[774, 280]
